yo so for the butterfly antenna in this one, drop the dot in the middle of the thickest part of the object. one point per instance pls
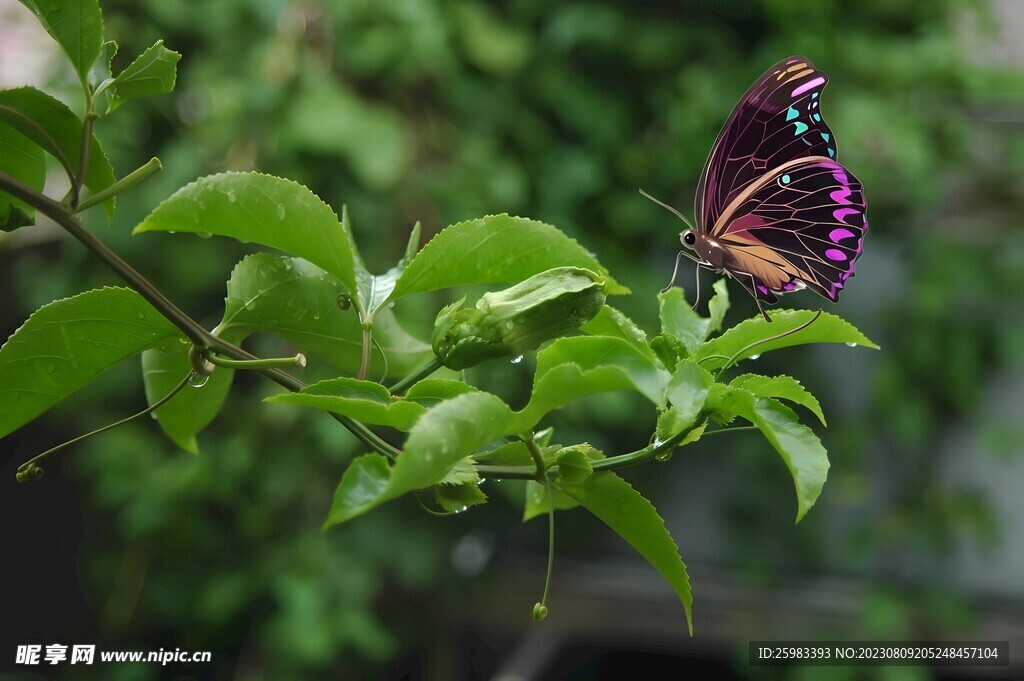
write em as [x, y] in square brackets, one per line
[669, 208]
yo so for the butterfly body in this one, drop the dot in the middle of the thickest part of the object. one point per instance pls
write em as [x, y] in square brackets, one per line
[774, 208]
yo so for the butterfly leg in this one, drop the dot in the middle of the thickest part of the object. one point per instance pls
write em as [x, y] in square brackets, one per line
[753, 290]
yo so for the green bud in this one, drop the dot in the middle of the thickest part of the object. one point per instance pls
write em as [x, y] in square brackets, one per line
[518, 319]
[539, 612]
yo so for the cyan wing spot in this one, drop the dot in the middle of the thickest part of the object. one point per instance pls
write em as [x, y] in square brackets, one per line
[817, 117]
[791, 114]
[800, 128]
[831, 152]
[785, 179]
[814, 96]
[825, 136]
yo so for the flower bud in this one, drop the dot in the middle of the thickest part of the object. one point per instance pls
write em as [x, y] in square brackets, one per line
[518, 319]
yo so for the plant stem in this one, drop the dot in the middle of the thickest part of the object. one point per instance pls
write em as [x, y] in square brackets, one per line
[612, 462]
[257, 364]
[83, 157]
[367, 350]
[126, 182]
[195, 332]
[416, 376]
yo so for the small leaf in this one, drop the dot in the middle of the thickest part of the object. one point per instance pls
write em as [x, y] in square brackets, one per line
[24, 161]
[362, 400]
[686, 393]
[298, 301]
[152, 73]
[457, 498]
[612, 322]
[626, 511]
[433, 390]
[797, 444]
[574, 464]
[445, 434]
[782, 387]
[262, 209]
[571, 368]
[536, 500]
[192, 409]
[513, 453]
[462, 473]
[741, 340]
[51, 124]
[77, 25]
[679, 322]
[365, 480]
[69, 342]
[718, 305]
[497, 249]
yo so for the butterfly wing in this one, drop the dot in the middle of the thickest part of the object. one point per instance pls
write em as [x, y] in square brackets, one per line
[800, 225]
[776, 121]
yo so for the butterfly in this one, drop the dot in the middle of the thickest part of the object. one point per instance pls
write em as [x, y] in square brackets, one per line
[774, 208]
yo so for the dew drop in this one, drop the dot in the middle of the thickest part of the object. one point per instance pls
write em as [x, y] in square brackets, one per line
[664, 456]
[517, 360]
[509, 325]
[141, 315]
[755, 356]
[280, 212]
[197, 380]
[250, 304]
[50, 369]
[152, 415]
[204, 235]
[851, 345]
[231, 197]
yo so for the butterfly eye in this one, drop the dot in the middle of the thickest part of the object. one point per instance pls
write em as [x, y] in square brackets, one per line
[689, 238]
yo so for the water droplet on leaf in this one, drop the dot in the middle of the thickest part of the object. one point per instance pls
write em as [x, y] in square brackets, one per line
[755, 356]
[197, 380]
[517, 360]
[851, 345]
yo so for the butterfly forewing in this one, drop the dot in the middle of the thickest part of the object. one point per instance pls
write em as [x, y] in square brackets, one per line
[778, 120]
[801, 224]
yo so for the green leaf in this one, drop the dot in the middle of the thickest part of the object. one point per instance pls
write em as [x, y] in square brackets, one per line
[613, 323]
[571, 368]
[718, 305]
[536, 500]
[574, 465]
[797, 444]
[100, 71]
[513, 453]
[362, 400]
[497, 249]
[433, 390]
[445, 434]
[298, 301]
[51, 124]
[462, 473]
[365, 481]
[679, 322]
[67, 343]
[626, 511]
[782, 387]
[152, 73]
[457, 498]
[743, 340]
[262, 209]
[77, 25]
[24, 161]
[686, 392]
[186, 414]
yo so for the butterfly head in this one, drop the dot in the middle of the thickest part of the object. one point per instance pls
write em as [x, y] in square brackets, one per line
[689, 238]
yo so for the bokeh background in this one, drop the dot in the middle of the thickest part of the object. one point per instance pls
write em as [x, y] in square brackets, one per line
[437, 111]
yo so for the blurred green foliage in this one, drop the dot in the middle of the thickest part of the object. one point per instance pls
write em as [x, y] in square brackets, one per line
[440, 111]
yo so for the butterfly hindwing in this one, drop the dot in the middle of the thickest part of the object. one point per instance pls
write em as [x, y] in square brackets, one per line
[801, 224]
[778, 120]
